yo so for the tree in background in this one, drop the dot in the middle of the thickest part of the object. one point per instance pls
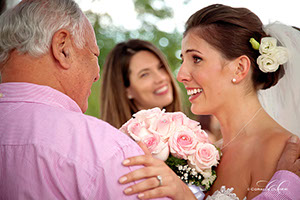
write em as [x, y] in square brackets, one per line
[109, 35]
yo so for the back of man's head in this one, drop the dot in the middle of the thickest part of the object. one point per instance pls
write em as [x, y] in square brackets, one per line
[30, 26]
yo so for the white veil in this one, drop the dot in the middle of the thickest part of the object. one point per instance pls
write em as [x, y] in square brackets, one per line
[282, 101]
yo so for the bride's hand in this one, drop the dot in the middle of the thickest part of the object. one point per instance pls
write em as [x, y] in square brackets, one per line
[171, 186]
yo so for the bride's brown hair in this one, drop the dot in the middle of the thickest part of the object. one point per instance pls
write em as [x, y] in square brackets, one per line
[229, 30]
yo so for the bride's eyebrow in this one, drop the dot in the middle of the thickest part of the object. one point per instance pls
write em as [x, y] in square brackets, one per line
[192, 50]
[189, 51]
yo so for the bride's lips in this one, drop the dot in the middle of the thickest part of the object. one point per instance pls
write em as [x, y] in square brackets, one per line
[194, 93]
[161, 90]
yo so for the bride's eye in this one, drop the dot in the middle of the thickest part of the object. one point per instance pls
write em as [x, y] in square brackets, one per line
[197, 59]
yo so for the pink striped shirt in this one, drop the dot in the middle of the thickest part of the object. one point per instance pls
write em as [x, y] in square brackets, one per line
[284, 185]
[50, 150]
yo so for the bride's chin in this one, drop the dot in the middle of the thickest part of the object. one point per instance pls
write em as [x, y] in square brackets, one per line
[197, 110]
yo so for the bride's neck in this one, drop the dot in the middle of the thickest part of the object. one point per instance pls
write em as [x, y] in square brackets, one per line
[233, 117]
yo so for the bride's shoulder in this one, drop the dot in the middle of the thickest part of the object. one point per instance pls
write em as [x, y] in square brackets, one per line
[265, 156]
[273, 136]
[271, 141]
[269, 144]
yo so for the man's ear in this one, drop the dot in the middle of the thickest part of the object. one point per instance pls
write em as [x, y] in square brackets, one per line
[61, 47]
[242, 67]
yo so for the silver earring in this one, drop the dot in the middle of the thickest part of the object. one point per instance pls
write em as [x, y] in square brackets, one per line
[129, 97]
[233, 80]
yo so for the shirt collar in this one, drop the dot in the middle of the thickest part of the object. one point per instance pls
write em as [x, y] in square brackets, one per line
[28, 92]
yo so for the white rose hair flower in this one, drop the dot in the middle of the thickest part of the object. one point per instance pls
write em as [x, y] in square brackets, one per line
[271, 55]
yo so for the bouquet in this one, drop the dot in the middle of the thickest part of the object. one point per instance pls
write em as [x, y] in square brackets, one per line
[177, 140]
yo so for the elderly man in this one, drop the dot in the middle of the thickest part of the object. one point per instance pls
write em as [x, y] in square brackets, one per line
[49, 149]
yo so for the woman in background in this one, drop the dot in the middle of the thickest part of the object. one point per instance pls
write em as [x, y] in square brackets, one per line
[136, 76]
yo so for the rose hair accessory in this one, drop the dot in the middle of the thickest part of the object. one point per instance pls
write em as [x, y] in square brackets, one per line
[282, 100]
[177, 140]
[271, 55]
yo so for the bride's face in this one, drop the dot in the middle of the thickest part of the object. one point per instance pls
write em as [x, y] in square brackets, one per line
[205, 74]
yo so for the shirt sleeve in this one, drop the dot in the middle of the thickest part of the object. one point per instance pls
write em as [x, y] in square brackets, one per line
[113, 169]
[283, 185]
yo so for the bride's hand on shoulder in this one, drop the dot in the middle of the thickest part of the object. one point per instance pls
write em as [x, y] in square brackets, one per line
[169, 186]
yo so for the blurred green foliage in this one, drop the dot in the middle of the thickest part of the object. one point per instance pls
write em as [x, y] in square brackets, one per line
[108, 35]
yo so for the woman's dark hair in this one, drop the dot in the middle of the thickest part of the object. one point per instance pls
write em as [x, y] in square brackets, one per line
[229, 30]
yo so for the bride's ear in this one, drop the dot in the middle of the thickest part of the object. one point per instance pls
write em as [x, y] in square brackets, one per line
[241, 69]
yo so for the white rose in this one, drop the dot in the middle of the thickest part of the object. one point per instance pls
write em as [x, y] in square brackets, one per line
[209, 181]
[281, 55]
[267, 63]
[267, 45]
[207, 173]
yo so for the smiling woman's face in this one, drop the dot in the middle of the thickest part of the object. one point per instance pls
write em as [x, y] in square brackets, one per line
[150, 83]
[204, 75]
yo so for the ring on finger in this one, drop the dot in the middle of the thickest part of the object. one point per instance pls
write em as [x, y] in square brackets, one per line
[159, 178]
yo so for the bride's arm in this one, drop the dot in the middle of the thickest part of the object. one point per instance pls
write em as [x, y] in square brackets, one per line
[171, 186]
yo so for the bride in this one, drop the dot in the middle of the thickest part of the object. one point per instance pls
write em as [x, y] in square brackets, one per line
[223, 71]
[219, 60]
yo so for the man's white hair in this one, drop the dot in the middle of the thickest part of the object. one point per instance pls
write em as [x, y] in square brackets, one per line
[30, 26]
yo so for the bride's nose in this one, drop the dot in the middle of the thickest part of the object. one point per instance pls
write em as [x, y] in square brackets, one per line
[183, 74]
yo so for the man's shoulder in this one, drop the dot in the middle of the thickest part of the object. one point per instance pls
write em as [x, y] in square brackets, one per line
[71, 134]
[94, 134]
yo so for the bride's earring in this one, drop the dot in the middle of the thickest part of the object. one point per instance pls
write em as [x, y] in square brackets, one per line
[233, 80]
[129, 96]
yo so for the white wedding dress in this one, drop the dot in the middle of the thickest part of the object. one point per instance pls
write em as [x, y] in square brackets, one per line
[222, 194]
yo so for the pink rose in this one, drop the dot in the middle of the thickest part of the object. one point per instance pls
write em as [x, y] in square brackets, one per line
[183, 143]
[138, 130]
[165, 126]
[156, 146]
[178, 117]
[149, 117]
[192, 124]
[124, 127]
[181, 119]
[201, 135]
[205, 157]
